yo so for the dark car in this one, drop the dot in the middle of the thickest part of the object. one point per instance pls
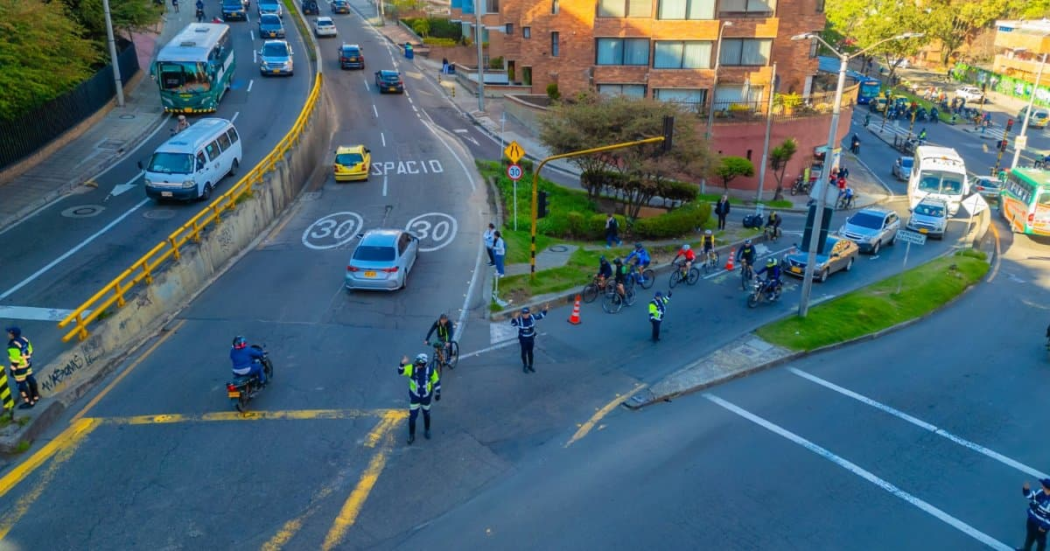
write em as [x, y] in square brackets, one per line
[340, 6]
[310, 7]
[389, 81]
[839, 255]
[350, 57]
[234, 10]
[270, 26]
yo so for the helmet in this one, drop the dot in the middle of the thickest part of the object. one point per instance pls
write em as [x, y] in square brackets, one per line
[708, 232]
[747, 242]
[771, 262]
[444, 316]
[638, 245]
[15, 331]
[239, 342]
[618, 260]
[421, 359]
[603, 258]
[685, 247]
[182, 118]
[525, 310]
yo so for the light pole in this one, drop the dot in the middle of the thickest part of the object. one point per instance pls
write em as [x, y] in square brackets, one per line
[769, 128]
[711, 96]
[113, 54]
[822, 181]
[481, 67]
[1028, 112]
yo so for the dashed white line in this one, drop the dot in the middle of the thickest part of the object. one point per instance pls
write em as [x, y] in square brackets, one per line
[384, 185]
[870, 477]
[367, 87]
[374, 110]
[255, 56]
[234, 117]
[382, 137]
[414, 109]
[250, 83]
[922, 424]
[252, 32]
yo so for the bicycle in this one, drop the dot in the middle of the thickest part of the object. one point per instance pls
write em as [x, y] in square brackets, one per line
[711, 262]
[680, 274]
[596, 287]
[439, 354]
[747, 273]
[647, 277]
[614, 301]
[846, 201]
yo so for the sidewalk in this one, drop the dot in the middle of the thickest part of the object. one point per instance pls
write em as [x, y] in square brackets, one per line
[116, 134]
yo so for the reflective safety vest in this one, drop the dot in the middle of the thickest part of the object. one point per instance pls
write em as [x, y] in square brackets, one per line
[656, 308]
[20, 353]
[421, 381]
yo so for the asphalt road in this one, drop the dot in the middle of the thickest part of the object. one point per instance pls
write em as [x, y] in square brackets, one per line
[56, 259]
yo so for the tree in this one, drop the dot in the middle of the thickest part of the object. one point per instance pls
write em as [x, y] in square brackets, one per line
[42, 52]
[731, 167]
[778, 161]
[957, 22]
[574, 126]
[128, 16]
[863, 23]
[421, 27]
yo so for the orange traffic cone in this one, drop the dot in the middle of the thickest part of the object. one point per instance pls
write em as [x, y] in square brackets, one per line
[575, 317]
[729, 263]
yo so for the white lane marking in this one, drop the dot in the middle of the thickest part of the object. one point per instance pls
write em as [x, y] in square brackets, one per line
[922, 424]
[367, 87]
[857, 470]
[35, 314]
[429, 125]
[252, 32]
[384, 185]
[255, 59]
[497, 346]
[74, 250]
[409, 98]
[382, 137]
[250, 82]
[757, 257]
[460, 130]
[234, 117]
[121, 188]
[374, 110]
[414, 109]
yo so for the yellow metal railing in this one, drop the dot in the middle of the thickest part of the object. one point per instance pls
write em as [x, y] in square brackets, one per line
[152, 262]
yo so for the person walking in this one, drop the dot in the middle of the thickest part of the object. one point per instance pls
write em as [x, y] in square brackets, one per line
[424, 382]
[722, 211]
[1038, 516]
[657, 307]
[175, 5]
[490, 241]
[525, 321]
[499, 251]
[20, 354]
[612, 232]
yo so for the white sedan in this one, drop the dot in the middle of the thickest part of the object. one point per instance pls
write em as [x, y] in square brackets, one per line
[969, 93]
[324, 26]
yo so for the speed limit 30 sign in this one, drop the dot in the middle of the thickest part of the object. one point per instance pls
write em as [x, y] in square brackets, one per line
[514, 172]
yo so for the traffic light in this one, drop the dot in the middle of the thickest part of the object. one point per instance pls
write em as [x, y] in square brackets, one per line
[668, 133]
[1002, 145]
[1009, 124]
[541, 205]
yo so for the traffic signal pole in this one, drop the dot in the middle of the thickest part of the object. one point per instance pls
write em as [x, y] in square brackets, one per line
[1002, 146]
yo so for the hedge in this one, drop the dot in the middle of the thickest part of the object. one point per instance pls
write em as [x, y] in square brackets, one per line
[448, 42]
[678, 222]
[439, 28]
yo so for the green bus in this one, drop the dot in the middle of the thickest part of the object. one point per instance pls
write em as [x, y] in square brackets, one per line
[1025, 201]
[195, 69]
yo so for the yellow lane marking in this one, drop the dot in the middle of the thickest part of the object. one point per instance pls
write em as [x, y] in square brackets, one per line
[294, 415]
[586, 427]
[27, 501]
[352, 508]
[387, 424]
[125, 373]
[68, 438]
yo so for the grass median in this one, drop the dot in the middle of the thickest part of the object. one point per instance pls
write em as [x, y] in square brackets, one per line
[879, 306]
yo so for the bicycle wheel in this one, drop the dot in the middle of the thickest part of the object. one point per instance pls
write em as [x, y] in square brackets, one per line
[629, 297]
[453, 355]
[648, 278]
[676, 276]
[590, 292]
[745, 278]
[612, 303]
[693, 276]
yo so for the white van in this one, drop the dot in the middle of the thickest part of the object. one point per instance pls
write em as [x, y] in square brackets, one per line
[190, 164]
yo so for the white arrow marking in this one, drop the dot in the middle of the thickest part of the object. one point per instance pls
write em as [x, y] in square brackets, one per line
[121, 188]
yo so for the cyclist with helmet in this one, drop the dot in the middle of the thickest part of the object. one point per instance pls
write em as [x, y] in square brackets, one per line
[773, 225]
[247, 360]
[424, 382]
[708, 243]
[444, 329]
[772, 271]
[620, 276]
[640, 258]
[746, 255]
[605, 271]
[686, 252]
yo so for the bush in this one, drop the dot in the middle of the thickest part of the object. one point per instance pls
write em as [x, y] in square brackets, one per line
[676, 223]
[496, 63]
[438, 28]
[431, 41]
[552, 91]
[683, 192]
[589, 227]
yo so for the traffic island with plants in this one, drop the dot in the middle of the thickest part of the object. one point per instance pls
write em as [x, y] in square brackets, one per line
[865, 311]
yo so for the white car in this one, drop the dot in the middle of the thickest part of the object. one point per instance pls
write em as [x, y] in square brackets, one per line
[969, 93]
[324, 26]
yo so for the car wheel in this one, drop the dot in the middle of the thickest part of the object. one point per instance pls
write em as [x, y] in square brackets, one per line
[823, 275]
[893, 239]
[404, 282]
[234, 168]
[875, 249]
[206, 194]
[849, 265]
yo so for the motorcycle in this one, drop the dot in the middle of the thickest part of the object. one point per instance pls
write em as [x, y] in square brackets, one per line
[244, 387]
[800, 186]
[935, 116]
[759, 293]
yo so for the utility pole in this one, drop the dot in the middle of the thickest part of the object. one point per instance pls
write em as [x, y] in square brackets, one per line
[117, 81]
[481, 60]
[769, 129]
[1027, 115]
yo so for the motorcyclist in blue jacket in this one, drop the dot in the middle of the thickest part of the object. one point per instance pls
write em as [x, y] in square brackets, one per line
[247, 360]
[772, 271]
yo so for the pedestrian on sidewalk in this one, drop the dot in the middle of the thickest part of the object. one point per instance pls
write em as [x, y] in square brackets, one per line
[722, 210]
[657, 307]
[175, 5]
[444, 65]
[525, 321]
[612, 232]
[843, 171]
[499, 251]
[20, 354]
[1038, 515]
[490, 241]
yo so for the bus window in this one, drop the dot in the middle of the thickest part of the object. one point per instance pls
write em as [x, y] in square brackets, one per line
[930, 184]
[233, 135]
[224, 141]
[200, 161]
[213, 151]
[175, 76]
[952, 187]
[1044, 197]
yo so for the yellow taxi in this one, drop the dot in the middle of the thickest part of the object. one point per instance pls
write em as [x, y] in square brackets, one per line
[878, 104]
[352, 162]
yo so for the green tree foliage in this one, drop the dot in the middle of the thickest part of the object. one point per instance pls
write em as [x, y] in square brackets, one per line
[43, 53]
[1029, 9]
[128, 16]
[957, 22]
[731, 167]
[863, 23]
[778, 161]
[421, 27]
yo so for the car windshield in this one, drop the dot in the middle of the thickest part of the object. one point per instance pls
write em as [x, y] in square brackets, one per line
[374, 254]
[325, 23]
[349, 159]
[865, 220]
[907, 162]
[389, 77]
[350, 52]
[270, 19]
[929, 210]
[272, 6]
[232, 4]
[171, 163]
[275, 49]
[946, 183]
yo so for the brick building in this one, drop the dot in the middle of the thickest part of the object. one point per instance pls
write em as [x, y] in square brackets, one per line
[1020, 46]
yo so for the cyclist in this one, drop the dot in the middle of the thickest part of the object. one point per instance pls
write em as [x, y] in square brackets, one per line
[708, 242]
[640, 257]
[773, 224]
[444, 329]
[687, 253]
[605, 271]
[772, 271]
[746, 255]
[620, 276]
[847, 198]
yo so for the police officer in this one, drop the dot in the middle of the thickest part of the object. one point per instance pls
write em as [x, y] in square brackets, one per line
[424, 381]
[1038, 515]
[526, 324]
[657, 307]
[20, 353]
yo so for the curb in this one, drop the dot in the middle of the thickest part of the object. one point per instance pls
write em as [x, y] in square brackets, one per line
[31, 431]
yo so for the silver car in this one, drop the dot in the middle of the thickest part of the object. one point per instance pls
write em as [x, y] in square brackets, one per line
[929, 217]
[902, 167]
[871, 228]
[382, 261]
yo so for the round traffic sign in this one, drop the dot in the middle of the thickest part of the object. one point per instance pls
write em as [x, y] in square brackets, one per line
[514, 172]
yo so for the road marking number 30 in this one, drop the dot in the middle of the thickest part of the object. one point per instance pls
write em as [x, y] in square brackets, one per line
[333, 230]
[435, 230]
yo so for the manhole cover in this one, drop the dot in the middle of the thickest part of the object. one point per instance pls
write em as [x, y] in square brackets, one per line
[83, 211]
[558, 249]
[127, 117]
[110, 144]
[159, 214]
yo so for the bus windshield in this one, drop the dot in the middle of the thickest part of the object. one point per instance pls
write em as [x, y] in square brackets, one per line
[946, 183]
[171, 163]
[869, 89]
[183, 76]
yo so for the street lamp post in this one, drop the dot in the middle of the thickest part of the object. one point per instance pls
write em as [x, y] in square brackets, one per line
[714, 88]
[481, 61]
[1028, 112]
[822, 181]
[113, 54]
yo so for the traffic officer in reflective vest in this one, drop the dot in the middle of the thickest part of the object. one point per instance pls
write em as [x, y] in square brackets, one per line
[424, 381]
[526, 324]
[20, 353]
[656, 312]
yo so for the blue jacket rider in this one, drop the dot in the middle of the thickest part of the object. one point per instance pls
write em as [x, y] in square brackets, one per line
[605, 270]
[772, 271]
[247, 360]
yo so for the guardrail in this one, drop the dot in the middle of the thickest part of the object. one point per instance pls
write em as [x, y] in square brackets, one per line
[146, 267]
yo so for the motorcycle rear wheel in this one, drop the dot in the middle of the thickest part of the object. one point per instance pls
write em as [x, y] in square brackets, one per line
[241, 404]
[752, 300]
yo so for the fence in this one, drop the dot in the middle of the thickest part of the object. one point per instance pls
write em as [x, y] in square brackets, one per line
[28, 133]
[143, 269]
[819, 103]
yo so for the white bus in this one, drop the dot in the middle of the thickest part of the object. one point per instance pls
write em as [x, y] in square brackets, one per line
[938, 172]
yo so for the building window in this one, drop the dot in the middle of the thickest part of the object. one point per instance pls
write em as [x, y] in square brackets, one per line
[629, 90]
[682, 55]
[692, 98]
[526, 32]
[745, 51]
[748, 6]
[820, 6]
[554, 6]
[510, 29]
[554, 44]
[491, 6]
[622, 51]
[625, 8]
[686, 9]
